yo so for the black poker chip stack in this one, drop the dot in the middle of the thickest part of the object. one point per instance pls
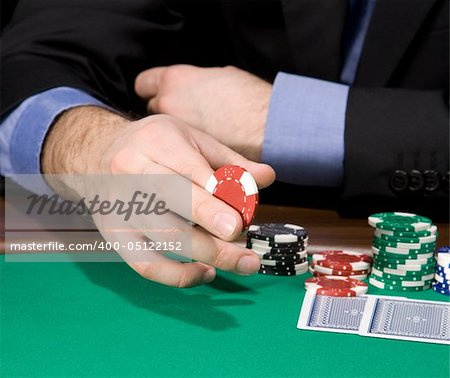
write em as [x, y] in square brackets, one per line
[281, 248]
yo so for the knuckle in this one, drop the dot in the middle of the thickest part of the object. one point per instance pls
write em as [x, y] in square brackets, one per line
[153, 105]
[172, 234]
[230, 68]
[163, 104]
[200, 210]
[185, 280]
[171, 75]
[221, 258]
[146, 270]
[119, 162]
[175, 72]
[189, 169]
[153, 129]
[159, 121]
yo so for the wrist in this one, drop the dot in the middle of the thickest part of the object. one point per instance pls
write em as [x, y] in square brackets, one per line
[262, 110]
[79, 139]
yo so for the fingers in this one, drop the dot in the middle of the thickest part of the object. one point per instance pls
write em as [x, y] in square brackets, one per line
[175, 147]
[152, 105]
[215, 215]
[174, 273]
[184, 159]
[157, 267]
[195, 243]
[197, 158]
[219, 155]
[147, 82]
[198, 244]
[223, 255]
[207, 211]
[204, 247]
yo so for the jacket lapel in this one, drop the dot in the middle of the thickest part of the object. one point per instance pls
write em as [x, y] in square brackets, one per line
[392, 28]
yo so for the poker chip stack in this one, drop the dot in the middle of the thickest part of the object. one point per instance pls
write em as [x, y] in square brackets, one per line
[336, 286]
[441, 282]
[336, 264]
[281, 248]
[403, 250]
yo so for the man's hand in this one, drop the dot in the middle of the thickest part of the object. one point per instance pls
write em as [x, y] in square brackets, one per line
[227, 103]
[91, 140]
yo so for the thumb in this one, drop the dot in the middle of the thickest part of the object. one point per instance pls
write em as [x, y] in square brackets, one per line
[147, 83]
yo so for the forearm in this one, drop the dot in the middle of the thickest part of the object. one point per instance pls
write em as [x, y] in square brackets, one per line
[78, 140]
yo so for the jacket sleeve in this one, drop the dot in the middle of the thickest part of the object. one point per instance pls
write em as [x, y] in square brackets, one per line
[98, 46]
[397, 148]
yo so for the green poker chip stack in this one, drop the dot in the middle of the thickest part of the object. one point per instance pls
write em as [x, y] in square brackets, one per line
[403, 251]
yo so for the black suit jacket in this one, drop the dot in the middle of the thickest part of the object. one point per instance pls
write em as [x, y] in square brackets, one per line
[397, 132]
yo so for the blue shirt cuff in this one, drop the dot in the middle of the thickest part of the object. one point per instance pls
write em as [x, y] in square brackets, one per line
[24, 130]
[304, 133]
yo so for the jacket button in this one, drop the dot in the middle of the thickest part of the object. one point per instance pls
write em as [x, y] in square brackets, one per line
[415, 180]
[399, 181]
[431, 180]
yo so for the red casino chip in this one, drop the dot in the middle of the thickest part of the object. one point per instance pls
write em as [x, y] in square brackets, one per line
[330, 292]
[235, 186]
[357, 277]
[336, 286]
[343, 260]
[336, 272]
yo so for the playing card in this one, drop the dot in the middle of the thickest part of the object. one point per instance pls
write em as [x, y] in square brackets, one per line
[406, 319]
[331, 314]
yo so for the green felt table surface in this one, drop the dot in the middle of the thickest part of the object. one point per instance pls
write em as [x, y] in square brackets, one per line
[102, 319]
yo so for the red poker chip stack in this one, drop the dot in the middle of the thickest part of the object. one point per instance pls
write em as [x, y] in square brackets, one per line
[335, 266]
